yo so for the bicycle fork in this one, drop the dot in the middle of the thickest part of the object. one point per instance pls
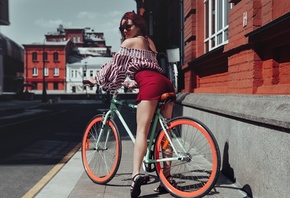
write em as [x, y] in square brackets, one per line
[104, 120]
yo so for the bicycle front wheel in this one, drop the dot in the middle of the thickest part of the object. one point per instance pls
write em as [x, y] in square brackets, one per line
[197, 165]
[101, 150]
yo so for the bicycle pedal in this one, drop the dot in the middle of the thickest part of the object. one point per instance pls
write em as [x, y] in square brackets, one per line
[149, 168]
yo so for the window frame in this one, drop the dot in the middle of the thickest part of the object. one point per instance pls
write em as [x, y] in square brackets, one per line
[215, 23]
[56, 71]
[55, 57]
[45, 56]
[34, 71]
[34, 56]
[46, 71]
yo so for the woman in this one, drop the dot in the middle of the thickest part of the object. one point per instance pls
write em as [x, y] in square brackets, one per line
[137, 60]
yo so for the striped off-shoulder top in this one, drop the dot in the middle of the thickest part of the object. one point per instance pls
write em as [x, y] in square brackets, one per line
[126, 62]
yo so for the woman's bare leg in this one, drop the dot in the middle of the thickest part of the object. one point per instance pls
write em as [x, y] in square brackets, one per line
[145, 112]
[167, 151]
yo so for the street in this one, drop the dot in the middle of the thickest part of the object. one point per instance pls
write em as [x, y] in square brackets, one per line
[34, 141]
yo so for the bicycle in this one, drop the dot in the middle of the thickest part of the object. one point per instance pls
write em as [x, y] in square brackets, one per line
[195, 157]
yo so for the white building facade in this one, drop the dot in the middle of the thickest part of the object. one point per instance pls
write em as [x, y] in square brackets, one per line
[85, 69]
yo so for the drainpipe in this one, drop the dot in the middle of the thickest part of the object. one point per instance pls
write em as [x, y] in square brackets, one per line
[181, 33]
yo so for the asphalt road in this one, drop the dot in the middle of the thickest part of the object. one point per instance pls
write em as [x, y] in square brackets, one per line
[33, 141]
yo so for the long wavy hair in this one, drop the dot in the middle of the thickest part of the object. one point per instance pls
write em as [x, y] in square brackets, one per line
[137, 20]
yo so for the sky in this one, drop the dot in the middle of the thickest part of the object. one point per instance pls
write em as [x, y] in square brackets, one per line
[30, 20]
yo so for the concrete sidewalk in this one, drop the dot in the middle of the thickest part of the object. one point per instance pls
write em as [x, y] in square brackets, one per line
[71, 181]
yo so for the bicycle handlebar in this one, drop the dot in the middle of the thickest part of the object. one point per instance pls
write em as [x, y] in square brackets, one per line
[89, 83]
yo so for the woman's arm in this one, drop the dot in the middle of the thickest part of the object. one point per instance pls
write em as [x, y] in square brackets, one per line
[113, 73]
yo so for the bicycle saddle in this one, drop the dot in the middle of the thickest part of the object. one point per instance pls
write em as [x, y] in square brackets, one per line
[170, 96]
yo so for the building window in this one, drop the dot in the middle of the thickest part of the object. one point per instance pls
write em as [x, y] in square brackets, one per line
[91, 73]
[216, 23]
[46, 71]
[55, 85]
[44, 56]
[34, 71]
[74, 73]
[56, 71]
[55, 56]
[34, 56]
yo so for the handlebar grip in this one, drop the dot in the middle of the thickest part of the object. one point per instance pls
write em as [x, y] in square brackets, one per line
[87, 82]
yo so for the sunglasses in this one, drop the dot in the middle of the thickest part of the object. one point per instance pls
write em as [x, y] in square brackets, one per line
[125, 27]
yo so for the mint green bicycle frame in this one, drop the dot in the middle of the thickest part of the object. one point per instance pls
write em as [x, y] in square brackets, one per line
[157, 117]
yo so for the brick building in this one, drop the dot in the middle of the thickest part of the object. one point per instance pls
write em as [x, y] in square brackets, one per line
[63, 59]
[46, 62]
[235, 76]
[239, 47]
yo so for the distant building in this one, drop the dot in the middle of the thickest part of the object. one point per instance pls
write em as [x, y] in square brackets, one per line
[45, 63]
[64, 59]
[11, 57]
[84, 69]
[11, 65]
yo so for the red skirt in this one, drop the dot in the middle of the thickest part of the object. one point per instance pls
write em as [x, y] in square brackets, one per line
[152, 85]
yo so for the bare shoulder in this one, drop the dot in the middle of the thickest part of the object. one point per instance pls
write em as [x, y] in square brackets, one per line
[151, 44]
[136, 42]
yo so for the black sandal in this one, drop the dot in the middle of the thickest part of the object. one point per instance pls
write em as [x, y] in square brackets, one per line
[138, 180]
[161, 189]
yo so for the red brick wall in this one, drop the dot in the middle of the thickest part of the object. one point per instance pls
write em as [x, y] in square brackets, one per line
[50, 64]
[280, 8]
[190, 30]
[252, 68]
[244, 72]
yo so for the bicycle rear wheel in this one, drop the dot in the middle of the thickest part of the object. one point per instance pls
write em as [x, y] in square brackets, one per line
[101, 152]
[198, 168]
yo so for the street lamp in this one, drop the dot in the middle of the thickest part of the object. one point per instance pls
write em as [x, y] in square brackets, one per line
[44, 94]
[85, 75]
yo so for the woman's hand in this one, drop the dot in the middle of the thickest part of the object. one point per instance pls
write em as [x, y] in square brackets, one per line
[130, 84]
[91, 82]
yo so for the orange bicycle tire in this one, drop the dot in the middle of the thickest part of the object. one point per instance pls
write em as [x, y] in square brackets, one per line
[191, 179]
[97, 169]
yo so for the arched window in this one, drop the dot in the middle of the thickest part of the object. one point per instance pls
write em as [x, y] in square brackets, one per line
[44, 56]
[55, 56]
[34, 56]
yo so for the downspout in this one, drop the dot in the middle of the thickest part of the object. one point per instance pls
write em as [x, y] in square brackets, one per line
[181, 33]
